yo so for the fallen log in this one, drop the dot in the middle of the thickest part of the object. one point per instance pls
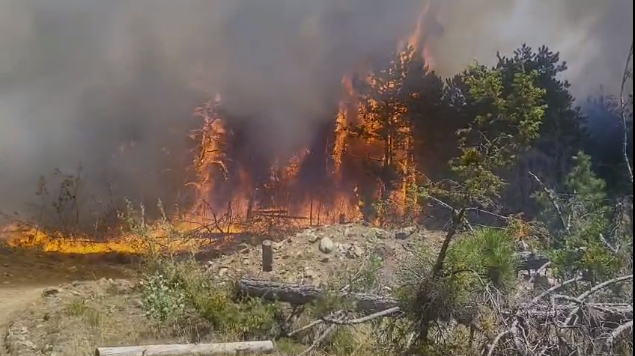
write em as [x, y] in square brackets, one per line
[299, 294]
[230, 348]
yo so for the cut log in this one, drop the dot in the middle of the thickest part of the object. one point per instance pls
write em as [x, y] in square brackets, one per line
[298, 294]
[230, 348]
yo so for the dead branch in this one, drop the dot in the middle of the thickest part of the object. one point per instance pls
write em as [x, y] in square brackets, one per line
[554, 201]
[497, 339]
[603, 285]
[380, 314]
[518, 337]
[571, 320]
[551, 290]
[624, 328]
[319, 340]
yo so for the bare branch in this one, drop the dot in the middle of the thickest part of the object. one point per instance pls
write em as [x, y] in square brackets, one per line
[603, 285]
[554, 201]
[364, 319]
[497, 339]
[582, 297]
[626, 327]
[551, 290]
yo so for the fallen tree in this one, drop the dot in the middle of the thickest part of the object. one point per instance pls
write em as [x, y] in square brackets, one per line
[367, 303]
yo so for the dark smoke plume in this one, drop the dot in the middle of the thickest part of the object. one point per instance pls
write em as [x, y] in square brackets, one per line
[80, 78]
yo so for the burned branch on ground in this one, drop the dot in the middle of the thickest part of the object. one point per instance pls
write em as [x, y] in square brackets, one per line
[551, 321]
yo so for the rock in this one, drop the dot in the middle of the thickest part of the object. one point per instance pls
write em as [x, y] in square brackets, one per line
[355, 251]
[326, 245]
[410, 230]
[28, 344]
[311, 236]
[406, 232]
[49, 292]
[383, 251]
[381, 234]
[137, 303]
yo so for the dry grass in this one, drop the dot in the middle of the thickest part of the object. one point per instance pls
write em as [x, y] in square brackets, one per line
[84, 315]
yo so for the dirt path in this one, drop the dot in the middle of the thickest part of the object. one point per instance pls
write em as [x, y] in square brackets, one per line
[12, 302]
[24, 274]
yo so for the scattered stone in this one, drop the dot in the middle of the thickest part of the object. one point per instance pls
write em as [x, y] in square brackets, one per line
[406, 232]
[383, 251]
[354, 251]
[49, 292]
[223, 271]
[312, 237]
[381, 234]
[28, 344]
[326, 245]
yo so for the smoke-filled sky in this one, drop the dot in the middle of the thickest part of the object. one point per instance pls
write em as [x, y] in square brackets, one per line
[79, 77]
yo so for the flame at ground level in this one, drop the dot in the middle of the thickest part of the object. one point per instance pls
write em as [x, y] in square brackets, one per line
[159, 238]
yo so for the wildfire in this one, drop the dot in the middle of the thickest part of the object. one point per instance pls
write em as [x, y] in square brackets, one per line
[235, 193]
[129, 243]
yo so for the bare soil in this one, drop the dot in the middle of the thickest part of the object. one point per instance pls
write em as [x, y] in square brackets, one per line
[25, 273]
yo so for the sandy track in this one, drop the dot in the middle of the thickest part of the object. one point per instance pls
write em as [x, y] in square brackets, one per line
[12, 302]
[24, 274]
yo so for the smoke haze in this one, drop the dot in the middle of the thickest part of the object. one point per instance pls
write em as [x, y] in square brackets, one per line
[80, 77]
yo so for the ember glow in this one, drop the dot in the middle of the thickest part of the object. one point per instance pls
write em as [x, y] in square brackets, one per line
[238, 188]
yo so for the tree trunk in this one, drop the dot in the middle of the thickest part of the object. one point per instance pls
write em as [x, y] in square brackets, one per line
[188, 349]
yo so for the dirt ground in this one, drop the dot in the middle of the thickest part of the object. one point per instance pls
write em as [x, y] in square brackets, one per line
[62, 305]
[24, 275]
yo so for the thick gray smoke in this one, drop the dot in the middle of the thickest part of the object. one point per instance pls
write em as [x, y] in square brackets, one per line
[80, 77]
[592, 36]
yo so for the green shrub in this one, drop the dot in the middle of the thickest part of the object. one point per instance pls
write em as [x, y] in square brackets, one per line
[490, 253]
[163, 299]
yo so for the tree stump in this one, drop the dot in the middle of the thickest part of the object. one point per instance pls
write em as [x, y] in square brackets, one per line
[267, 256]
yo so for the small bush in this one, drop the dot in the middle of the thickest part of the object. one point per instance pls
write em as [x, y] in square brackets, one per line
[172, 289]
[163, 300]
[490, 253]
